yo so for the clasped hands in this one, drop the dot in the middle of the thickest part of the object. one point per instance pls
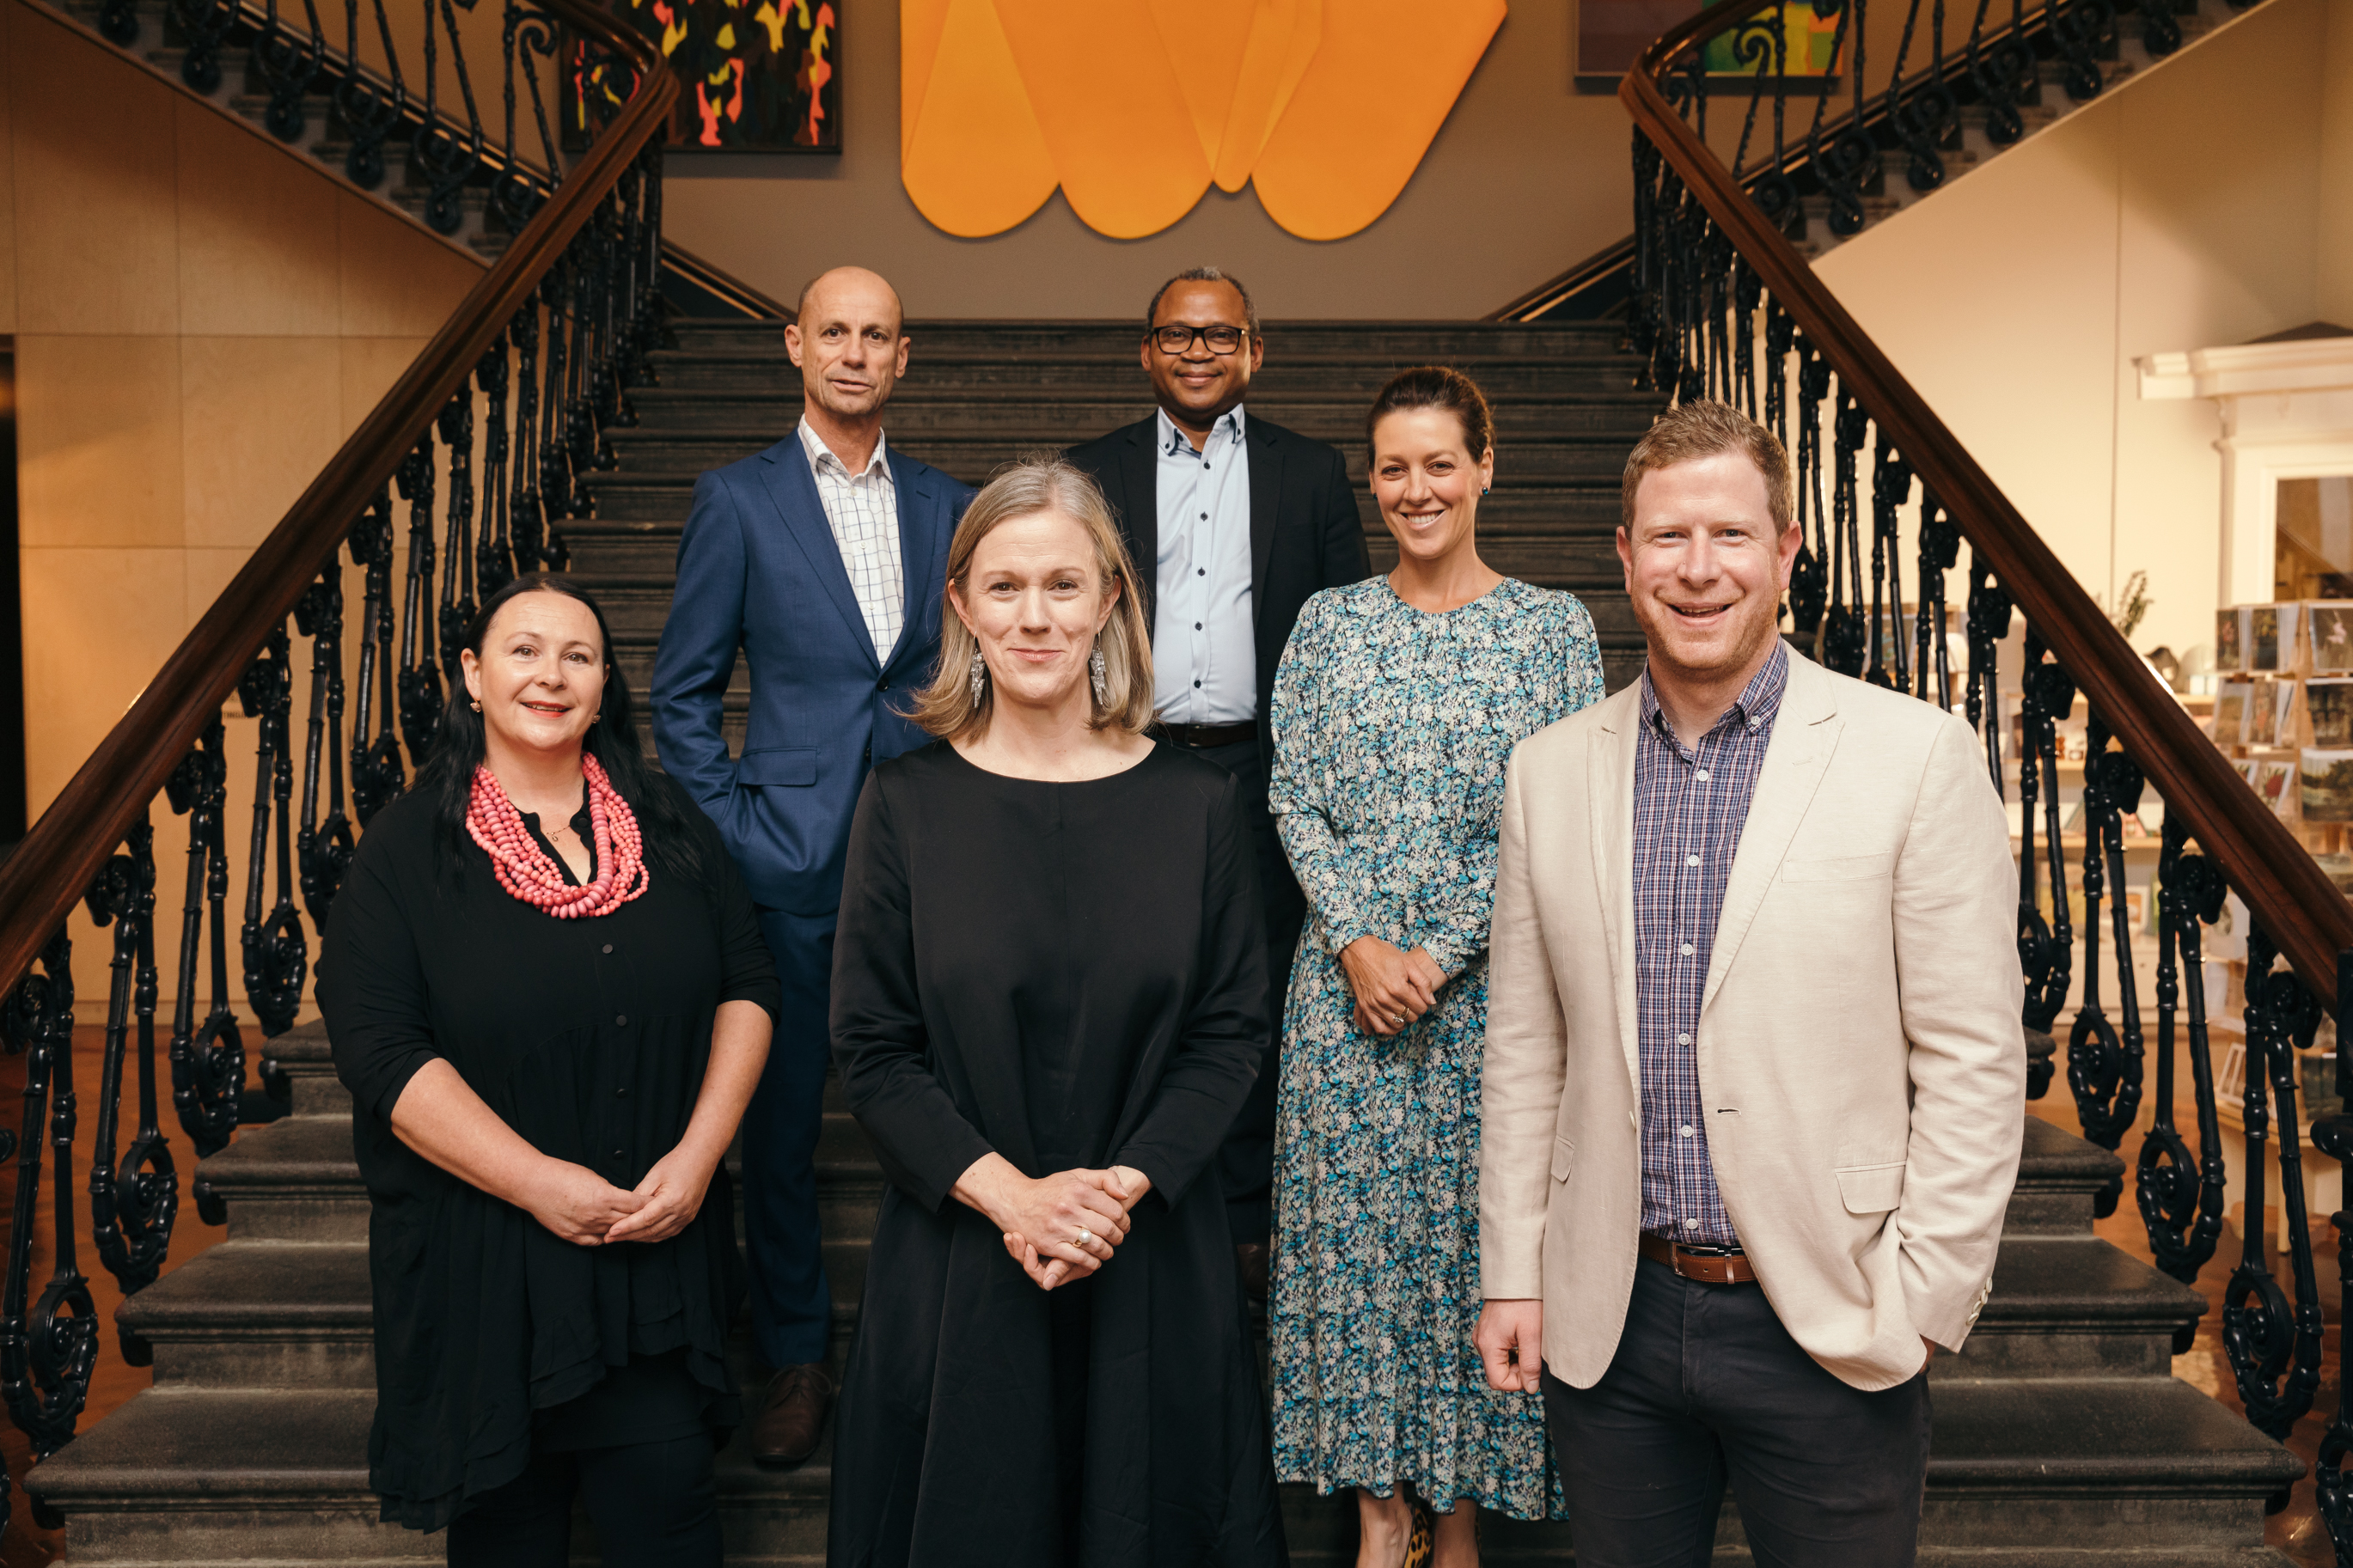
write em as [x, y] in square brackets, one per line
[1055, 1226]
[586, 1210]
[1392, 987]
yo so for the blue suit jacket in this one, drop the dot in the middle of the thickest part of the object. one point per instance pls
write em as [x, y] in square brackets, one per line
[758, 569]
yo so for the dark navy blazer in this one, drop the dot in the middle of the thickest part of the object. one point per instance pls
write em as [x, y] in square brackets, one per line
[758, 569]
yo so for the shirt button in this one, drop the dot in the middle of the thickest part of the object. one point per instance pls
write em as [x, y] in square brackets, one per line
[1205, 516]
[622, 1018]
[623, 1154]
[1703, 776]
[1685, 1131]
[1752, 723]
[1682, 1040]
[1200, 570]
[623, 1093]
[1687, 949]
[1197, 685]
[1690, 1225]
[609, 947]
[1196, 625]
[1691, 859]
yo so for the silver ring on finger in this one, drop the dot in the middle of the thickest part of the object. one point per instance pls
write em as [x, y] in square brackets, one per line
[1086, 1238]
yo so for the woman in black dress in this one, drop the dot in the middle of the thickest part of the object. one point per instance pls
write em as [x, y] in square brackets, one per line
[551, 1000]
[1049, 1003]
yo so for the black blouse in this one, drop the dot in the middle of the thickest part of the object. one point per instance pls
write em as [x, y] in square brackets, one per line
[589, 1037]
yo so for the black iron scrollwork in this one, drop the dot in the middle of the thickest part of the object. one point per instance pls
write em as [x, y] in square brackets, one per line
[377, 774]
[443, 155]
[1940, 550]
[369, 110]
[46, 1354]
[2003, 69]
[2274, 1348]
[205, 26]
[2181, 1199]
[277, 955]
[2103, 1060]
[420, 680]
[207, 1058]
[2333, 1136]
[2045, 953]
[323, 849]
[289, 64]
[2083, 31]
[132, 1204]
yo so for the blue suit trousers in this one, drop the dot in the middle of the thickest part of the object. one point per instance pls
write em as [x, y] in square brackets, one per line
[792, 1304]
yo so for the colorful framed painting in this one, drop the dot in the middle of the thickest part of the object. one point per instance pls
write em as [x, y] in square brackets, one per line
[762, 76]
[1612, 33]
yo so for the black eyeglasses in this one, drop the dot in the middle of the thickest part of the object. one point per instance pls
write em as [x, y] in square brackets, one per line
[1175, 340]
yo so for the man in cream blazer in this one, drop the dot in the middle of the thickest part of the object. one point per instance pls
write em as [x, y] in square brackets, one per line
[1755, 1075]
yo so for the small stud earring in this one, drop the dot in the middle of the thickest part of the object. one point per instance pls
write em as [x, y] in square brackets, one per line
[475, 706]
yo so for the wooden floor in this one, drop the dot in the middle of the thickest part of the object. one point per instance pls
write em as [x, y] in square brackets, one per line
[2297, 1532]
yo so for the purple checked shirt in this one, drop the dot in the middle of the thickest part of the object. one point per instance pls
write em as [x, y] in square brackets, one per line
[1689, 808]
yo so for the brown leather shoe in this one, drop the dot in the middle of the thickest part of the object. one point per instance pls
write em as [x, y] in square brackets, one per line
[1250, 1260]
[792, 1415]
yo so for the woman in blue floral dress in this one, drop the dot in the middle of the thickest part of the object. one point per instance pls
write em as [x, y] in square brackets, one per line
[1398, 702]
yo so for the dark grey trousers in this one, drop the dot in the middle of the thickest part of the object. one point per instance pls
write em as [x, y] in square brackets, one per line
[1708, 1389]
[1246, 1162]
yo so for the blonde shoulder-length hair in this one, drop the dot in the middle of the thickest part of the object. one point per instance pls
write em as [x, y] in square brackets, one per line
[946, 708]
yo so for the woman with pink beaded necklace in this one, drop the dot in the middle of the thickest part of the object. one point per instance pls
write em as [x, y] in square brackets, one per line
[547, 991]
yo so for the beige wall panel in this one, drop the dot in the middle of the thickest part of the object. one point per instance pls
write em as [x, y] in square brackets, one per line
[1525, 178]
[94, 190]
[2177, 213]
[370, 366]
[2216, 245]
[2028, 388]
[260, 417]
[2334, 287]
[7, 179]
[258, 243]
[99, 441]
[98, 624]
[396, 281]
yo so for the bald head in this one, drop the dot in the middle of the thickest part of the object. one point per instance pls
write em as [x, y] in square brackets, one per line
[848, 339]
[851, 292]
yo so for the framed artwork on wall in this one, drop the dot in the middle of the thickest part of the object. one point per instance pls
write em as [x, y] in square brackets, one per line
[1612, 33]
[762, 76]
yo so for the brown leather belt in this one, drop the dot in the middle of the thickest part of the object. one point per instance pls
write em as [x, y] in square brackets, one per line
[1199, 735]
[1709, 1268]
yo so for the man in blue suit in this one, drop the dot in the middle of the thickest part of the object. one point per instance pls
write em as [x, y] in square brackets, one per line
[821, 560]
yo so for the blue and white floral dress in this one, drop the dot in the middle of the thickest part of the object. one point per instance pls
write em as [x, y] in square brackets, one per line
[1391, 730]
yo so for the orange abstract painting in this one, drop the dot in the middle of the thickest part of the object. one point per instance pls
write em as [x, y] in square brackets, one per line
[1134, 108]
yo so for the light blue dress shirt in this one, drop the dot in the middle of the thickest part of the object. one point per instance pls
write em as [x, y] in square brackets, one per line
[1204, 655]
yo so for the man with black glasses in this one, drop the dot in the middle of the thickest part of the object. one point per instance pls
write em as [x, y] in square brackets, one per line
[1232, 521]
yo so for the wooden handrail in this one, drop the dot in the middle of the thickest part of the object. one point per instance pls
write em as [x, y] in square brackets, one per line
[84, 824]
[2297, 904]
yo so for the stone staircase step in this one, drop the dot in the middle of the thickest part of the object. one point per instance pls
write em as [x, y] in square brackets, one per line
[2058, 1176]
[2099, 1465]
[262, 1314]
[293, 1180]
[2073, 1306]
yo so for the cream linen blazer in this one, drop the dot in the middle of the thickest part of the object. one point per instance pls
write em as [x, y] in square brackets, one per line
[1862, 1064]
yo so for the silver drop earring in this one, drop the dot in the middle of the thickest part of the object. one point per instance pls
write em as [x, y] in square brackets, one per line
[1095, 675]
[979, 676]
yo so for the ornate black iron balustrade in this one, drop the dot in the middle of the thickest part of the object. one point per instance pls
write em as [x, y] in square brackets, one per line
[486, 435]
[1724, 308]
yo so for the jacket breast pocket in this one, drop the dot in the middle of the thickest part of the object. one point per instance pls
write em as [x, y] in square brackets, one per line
[1839, 869]
[1564, 1159]
[1870, 1189]
[788, 766]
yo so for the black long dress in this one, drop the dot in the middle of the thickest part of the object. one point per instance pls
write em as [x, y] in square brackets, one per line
[1074, 976]
[589, 1037]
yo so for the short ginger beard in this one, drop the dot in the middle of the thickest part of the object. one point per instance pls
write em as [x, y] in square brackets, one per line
[1756, 632]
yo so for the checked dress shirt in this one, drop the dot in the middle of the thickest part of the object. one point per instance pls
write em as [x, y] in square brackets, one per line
[862, 509]
[1690, 805]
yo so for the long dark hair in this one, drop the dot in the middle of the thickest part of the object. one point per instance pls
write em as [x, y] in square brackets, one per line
[448, 776]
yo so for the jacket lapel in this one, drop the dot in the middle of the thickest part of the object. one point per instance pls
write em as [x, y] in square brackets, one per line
[792, 489]
[923, 553]
[1610, 789]
[1140, 505]
[1265, 494]
[1805, 733]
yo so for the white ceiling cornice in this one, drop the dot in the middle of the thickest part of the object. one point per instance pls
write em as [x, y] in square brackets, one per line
[2310, 364]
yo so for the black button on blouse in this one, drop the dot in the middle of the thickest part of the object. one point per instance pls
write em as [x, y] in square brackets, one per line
[426, 957]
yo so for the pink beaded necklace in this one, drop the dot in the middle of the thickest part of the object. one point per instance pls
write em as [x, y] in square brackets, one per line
[524, 868]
